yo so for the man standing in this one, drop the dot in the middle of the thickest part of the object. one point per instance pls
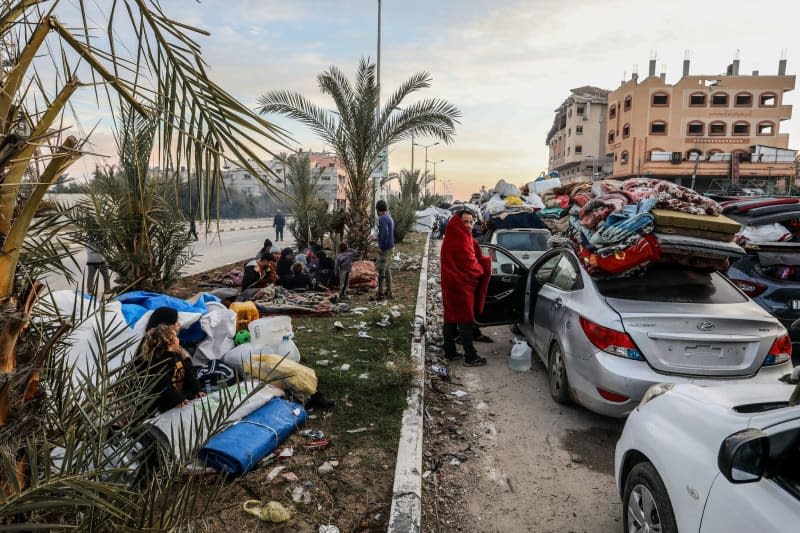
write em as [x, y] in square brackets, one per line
[280, 222]
[95, 262]
[465, 274]
[192, 230]
[386, 247]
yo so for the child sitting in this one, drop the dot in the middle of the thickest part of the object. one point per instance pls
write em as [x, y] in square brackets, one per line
[299, 279]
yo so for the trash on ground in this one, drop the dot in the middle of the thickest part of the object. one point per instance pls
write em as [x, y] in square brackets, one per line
[299, 494]
[274, 473]
[286, 452]
[325, 468]
[271, 512]
[338, 325]
[290, 477]
[357, 430]
[345, 367]
[311, 433]
[328, 529]
[364, 335]
[441, 371]
[322, 362]
[455, 462]
[577, 458]
[365, 375]
[459, 393]
[317, 444]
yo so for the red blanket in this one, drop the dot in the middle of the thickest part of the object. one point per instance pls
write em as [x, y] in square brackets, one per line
[465, 274]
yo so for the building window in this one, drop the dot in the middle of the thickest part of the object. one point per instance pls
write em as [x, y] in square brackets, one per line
[660, 100]
[716, 128]
[697, 100]
[741, 128]
[579, 110]
[623, 159]
[579, 149]
[743, 100]
[569, 132]
[578, 130]
[768, 100]
[626, 131]
[610, 137]
[766, 128]
[695, 128]
[567, 150]
[654, 151]
[658, 128]
[719, 99]
[612, 111]
[694, 154]
[627, 105]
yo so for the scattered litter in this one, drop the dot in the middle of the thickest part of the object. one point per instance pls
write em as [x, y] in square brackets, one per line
[334, 463]
[311, 433]
[299, 494]
[328, 529]
[274, 473]
[390, 365]
[308, 484]
[394, 312]
[268, 460]
[357, 430]
[455, 462]
[441, 371]
[338, 325]
[272, 512]
[196, 468]
[365, 375]
[317, 444]
[290, 476]
[325, 468]
[364, 335]
[384, 322]
[360, 325]
[577, 458]
[345, 367]
[425, 474]
[323, 362]
[286, 452]
[377, 517]
[323, 352]
[362, 309]
[459, 393]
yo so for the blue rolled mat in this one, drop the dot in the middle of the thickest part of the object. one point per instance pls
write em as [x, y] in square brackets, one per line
[240, 447]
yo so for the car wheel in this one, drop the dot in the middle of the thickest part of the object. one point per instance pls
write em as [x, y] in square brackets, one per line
[647, 505]
[557, 374]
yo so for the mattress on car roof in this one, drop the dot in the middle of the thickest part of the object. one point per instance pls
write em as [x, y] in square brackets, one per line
[682, 244]
[677, 219]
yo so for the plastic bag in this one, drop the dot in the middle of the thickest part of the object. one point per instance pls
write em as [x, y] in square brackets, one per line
[281, 372]
[766, 233]
[506, 189]
[495, 205]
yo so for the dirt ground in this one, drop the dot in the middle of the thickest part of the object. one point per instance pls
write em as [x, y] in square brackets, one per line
[504, 457]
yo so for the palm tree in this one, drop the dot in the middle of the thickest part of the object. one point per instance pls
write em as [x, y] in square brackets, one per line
[359, 131]
[161, 76]
[305, 189]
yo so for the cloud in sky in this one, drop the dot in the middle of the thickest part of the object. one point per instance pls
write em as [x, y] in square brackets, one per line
[506, 64]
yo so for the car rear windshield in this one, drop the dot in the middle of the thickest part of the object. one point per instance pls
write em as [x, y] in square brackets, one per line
[523, 241]
[667, 283]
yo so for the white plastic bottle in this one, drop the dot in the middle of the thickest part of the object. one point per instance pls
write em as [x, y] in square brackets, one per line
[520, 356]
[287, 346]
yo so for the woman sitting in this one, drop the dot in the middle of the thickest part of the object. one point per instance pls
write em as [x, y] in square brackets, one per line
[284, 267]
[168, 372]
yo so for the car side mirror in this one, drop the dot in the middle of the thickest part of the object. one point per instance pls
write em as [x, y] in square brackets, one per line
[507, 268]
[743, 456]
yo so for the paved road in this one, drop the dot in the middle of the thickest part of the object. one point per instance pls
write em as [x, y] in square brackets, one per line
[238, 240]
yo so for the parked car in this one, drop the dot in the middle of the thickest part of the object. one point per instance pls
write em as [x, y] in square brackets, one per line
[605, 342]
[711, 459]
[526, 244]
[770, 272]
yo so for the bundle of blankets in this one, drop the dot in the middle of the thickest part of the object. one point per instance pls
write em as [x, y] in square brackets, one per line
[620, 227]
[508, 206]
[276, 300]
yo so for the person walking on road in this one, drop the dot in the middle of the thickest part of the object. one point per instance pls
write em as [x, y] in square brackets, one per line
[280, 222]
[465, 274]
[193, 230]
[386, 247]
[95, 262]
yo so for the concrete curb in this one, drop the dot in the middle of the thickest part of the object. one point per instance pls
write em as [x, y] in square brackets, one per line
[406, 513]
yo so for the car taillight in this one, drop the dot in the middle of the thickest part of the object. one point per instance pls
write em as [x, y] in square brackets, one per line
[611, 341]
[750, 288]
[780, 352]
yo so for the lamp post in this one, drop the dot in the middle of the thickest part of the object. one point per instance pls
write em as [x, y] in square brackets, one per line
[434, 163]
[426, 146]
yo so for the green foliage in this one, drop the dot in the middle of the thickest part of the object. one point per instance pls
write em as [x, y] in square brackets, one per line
[133, 219]
[359, 132]
[310, 218]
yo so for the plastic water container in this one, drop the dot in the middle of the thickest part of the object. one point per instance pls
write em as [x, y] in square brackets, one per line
[520, 356]
[287, 346]
[270, 330]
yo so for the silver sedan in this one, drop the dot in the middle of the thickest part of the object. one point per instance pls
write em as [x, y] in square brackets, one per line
[605, 342]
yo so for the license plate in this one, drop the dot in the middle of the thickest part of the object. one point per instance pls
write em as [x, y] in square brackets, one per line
[795, 305]
[705, 351]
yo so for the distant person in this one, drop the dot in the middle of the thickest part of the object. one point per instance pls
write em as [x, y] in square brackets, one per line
[342, 268]
[299, 279]
[193, 230]
[280, 222]
[386, 248]
[95, 262]
[465, 273]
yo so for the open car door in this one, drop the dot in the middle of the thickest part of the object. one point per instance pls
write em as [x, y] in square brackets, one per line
[505, 298]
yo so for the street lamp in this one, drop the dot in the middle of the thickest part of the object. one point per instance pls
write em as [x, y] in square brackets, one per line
[426, 146]
[434, 163]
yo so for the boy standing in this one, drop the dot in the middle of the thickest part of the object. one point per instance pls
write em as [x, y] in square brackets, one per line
[386, 246]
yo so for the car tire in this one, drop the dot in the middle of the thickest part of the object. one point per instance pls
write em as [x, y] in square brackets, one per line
[646, 502]
[557, 375]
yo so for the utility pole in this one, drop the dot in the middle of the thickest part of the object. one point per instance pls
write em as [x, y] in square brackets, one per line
[378, 101]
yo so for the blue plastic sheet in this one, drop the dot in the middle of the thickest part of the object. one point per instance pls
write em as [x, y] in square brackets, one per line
[136, 303]
[239, 448]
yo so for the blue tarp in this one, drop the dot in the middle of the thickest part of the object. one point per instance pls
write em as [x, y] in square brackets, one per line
[239, 448]
[136, 303]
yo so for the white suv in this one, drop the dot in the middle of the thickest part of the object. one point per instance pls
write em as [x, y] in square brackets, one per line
[526, 244]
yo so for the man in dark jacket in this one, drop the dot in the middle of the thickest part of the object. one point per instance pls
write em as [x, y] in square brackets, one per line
[280, 222]
[386, 247]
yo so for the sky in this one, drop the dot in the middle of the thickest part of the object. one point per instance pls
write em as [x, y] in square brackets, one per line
[506, 64]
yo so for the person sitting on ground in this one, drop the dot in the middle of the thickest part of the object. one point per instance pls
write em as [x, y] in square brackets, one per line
[259, 273]
[167, 370]
[302, 255]
[284, 267]
[323, 273]
[343, 267]
[299, 279]
[268, 248]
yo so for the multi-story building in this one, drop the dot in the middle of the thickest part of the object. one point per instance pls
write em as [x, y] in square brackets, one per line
[717, 133]
[333, 178]
[577, 137]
